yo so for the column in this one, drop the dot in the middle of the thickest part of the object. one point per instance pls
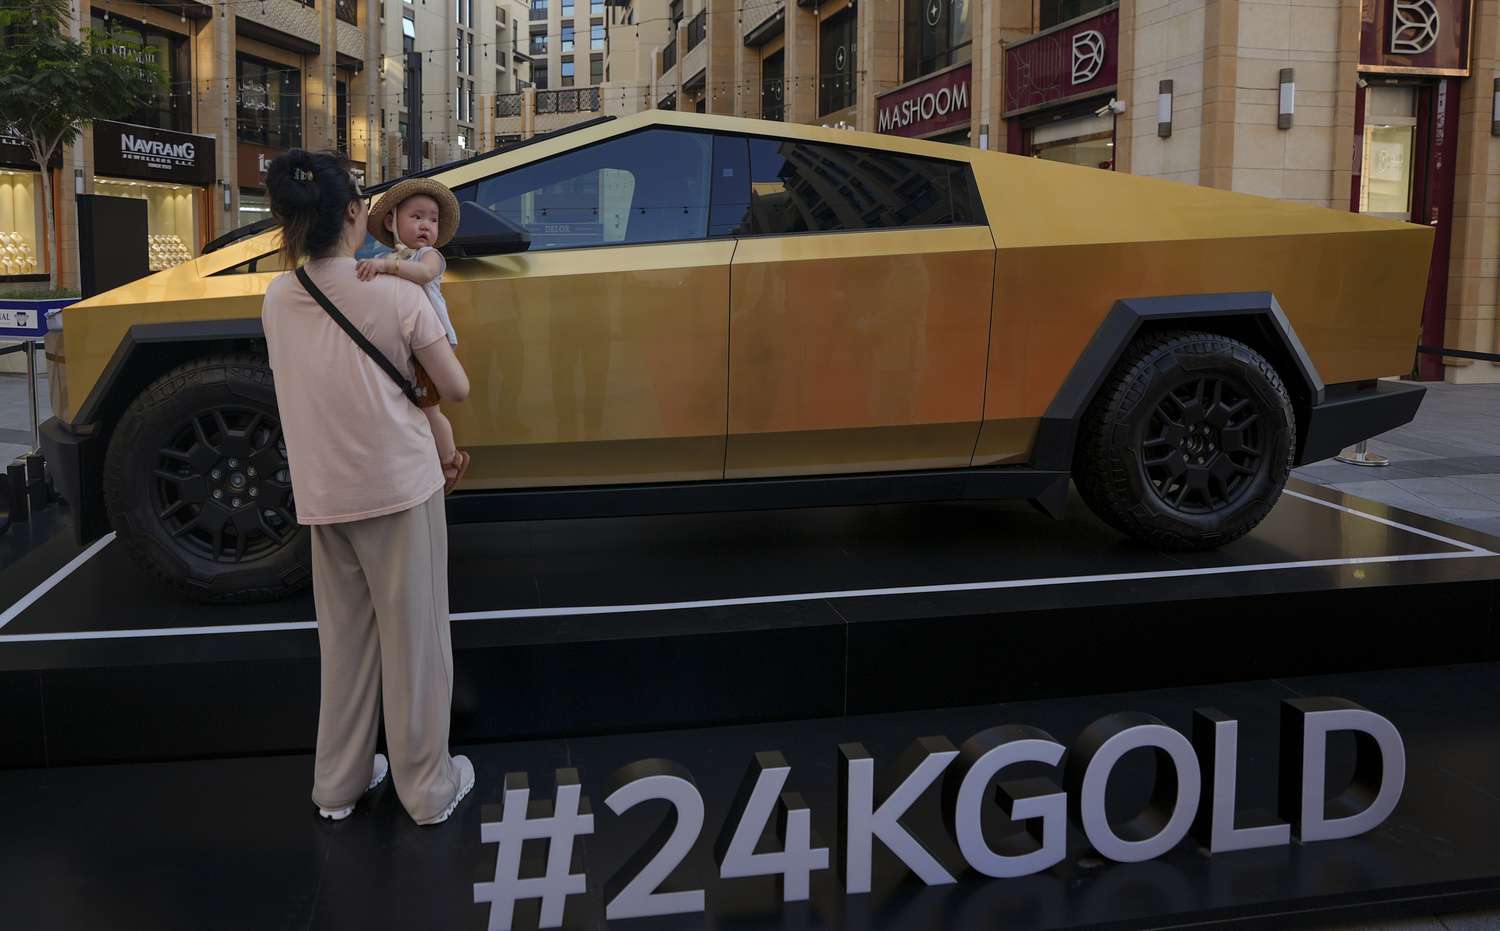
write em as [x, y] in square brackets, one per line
[801, 84]
[879, 39]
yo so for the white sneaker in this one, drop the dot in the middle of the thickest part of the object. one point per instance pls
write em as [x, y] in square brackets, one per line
[465, 783]
[378, 772]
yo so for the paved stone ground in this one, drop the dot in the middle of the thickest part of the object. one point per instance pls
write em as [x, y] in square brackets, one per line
[1446, 464]
[15, 420]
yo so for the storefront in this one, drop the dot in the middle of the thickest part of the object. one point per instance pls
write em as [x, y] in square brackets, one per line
[1058, 87]
[1413, 59]
[22, 253]
[172, 172]
[253, 160]
[936, 107]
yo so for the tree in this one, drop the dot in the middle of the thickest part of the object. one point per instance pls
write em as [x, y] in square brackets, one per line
[52, 84]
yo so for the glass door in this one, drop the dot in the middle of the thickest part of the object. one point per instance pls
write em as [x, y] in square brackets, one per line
[1390, 145]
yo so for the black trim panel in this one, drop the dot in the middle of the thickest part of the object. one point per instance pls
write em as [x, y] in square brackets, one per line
[1357, 411]
[147, 333]
[75, 463]
[1058, 431]
[1048, 490]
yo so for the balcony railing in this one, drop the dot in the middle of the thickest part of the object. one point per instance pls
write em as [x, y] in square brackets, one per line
[697, 29]
[507, 105]
[347, 10]
[574, 100]
[669, 55]
[538, 13]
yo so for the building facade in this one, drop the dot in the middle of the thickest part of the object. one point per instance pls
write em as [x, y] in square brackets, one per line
[388, 85]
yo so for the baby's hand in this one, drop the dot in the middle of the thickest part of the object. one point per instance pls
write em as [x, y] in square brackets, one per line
[369, 268]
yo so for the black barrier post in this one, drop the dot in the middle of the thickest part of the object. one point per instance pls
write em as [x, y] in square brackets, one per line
[15, 490]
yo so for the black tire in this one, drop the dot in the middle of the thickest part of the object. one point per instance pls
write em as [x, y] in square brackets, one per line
[168, 457]
[1189, 443]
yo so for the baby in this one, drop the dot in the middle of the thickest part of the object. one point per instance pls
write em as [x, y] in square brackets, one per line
[416, 217]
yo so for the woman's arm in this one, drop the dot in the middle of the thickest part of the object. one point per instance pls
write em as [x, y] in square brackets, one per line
[445, 370]
[419, 271]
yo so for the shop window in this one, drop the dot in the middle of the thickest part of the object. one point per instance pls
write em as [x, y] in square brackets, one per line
[939, 34]
[1085, 140]
[650, 186]
[798, 187]
[269, 103]
[171, 218]
[171, 108]
[836, 64]
[772, 91]
[21, 223]
[1390, 139]
[1053, 12]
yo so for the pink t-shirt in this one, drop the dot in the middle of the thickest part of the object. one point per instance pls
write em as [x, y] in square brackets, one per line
[358, 448]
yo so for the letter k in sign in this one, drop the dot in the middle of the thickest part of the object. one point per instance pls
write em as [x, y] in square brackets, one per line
[934, 12]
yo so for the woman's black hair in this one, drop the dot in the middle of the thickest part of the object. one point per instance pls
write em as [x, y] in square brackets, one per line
[309, 194]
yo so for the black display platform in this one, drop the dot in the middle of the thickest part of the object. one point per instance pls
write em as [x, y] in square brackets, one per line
[235, 844]
[624, 624]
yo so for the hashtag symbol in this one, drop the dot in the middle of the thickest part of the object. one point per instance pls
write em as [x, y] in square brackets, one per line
[522, 819]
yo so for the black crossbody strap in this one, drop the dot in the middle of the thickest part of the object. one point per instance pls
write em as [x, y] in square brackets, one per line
[359, 338]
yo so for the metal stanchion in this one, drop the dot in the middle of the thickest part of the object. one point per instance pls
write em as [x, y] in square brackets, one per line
[36, 423]
[1361, 456]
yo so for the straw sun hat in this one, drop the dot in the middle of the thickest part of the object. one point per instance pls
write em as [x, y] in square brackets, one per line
[410, 187]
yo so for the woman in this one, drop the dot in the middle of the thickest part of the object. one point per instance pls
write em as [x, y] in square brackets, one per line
[366, 477]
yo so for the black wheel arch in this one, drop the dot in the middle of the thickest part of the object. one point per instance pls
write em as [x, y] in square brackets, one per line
[1253, 317]
[147, 351]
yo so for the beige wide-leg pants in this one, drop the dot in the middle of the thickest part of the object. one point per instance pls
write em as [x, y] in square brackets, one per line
[381, 590]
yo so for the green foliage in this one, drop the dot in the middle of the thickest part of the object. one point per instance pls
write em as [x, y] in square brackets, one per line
[17, 293]
[51, 84]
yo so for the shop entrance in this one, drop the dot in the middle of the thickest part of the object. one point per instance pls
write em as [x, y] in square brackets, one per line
[1407, 158]
[1081, 140]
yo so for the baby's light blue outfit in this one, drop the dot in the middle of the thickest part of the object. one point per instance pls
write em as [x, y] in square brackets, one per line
[434, 288]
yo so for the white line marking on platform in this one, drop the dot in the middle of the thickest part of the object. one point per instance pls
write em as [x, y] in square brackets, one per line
[1476, 550]
[1465, 551]
[56, 577]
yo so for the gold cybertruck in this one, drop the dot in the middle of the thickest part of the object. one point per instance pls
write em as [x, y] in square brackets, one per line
[674, 312]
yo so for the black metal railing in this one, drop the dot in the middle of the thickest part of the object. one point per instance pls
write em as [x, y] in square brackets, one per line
[538, 12]
[573, 100]
[669, 55]
[347, 10]
[697, 29]
[507, 105]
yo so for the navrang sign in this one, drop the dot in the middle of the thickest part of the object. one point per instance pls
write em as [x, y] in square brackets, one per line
[125, 151]
[923, 108]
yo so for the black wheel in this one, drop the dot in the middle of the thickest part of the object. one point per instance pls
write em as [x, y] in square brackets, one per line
[1189, 442]
[197, 484]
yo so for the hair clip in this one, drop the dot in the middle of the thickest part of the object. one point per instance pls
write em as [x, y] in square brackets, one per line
[302, 174]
